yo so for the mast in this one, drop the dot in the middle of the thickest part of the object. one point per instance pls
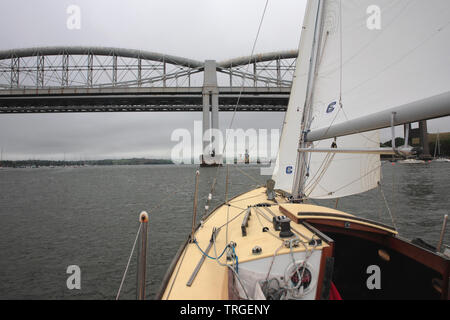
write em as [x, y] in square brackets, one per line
[301, 163]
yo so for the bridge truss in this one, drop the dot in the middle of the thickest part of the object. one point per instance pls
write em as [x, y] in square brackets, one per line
[96, 79]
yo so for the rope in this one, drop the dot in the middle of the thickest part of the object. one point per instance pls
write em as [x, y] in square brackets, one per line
[128, 263]
[354, 181]
[240, 200]
[235, 259]
[163, 201]
[308, 254]
[237, 216]
[260, 213]
[322, 173]
[389, 210]
[273, 259]
[360, 133]
[234, 270]
[206, 255]
[313, 178]
[248, 176]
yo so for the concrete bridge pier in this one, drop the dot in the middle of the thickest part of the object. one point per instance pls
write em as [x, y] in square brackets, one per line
[423, 132]
[211, 154]
[206, 135]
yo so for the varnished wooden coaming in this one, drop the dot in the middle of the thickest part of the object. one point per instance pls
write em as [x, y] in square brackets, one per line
[423, 256]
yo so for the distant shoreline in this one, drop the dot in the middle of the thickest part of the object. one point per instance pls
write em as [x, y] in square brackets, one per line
[104, 162]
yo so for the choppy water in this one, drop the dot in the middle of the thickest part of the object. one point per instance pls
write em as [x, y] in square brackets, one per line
[53, 218]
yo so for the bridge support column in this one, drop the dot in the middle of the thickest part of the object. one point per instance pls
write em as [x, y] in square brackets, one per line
[423, 131]
[215, 119]
[206, 134]
[211, 154]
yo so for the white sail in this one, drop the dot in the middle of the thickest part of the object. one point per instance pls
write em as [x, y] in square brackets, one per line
[372, 58]
[287, 154]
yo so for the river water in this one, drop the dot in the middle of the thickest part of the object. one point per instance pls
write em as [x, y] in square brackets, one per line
[51, 218]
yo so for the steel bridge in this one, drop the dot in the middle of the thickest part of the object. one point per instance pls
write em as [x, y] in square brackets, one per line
[98, 79]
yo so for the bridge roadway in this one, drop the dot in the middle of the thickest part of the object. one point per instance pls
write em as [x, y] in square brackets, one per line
[134, 99]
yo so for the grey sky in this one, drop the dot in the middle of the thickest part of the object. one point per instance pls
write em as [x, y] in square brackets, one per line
[197, 29]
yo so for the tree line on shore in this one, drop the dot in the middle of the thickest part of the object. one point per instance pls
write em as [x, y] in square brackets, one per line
[104, 162]
[444, 144]
[444, 147]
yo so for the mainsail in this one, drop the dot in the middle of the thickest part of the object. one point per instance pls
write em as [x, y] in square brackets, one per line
[371, 59]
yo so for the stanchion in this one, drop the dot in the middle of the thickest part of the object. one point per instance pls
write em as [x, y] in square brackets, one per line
[441, 238]
[142, 257]
[194, 215]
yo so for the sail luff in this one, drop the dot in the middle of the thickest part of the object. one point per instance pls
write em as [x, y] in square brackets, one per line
[301, 163]
[337, 174]
[289, 142]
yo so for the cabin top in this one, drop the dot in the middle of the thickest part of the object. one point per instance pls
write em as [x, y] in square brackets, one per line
[252, 228]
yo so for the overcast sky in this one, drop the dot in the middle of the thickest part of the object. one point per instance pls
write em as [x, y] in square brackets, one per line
[196, 29]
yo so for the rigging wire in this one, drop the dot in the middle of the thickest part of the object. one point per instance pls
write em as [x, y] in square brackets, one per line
[238, 215]
[341, 54]
[325, 160]
[239, 199]
[379, 198]
[312, 179]
[389, 210]
[228, 207]
[322, 173]
[248, 65]
[393, 196]
[354, 181]
[163, 201]
[128, 263]
[242, 87]
[247, 175]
